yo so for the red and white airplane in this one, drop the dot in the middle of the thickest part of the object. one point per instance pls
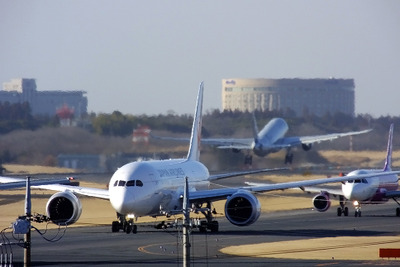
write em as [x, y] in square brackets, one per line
[156, 188]
[373, 190]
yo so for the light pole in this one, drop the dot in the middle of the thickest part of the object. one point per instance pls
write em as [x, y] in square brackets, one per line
[27, 236]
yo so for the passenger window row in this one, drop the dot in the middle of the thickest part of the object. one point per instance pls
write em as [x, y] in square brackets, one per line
[129, 183]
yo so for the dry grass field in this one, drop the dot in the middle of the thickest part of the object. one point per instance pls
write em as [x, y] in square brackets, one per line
[362, 159]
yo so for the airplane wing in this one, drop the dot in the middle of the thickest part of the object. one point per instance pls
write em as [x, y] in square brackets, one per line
[53, 184]
[297, 140]
[315, 189]
[222, 193]
[392, 194]
[222, 143]
[229, 143]
[308, 189]
[241, 173]
[12, 183]
[85, 191]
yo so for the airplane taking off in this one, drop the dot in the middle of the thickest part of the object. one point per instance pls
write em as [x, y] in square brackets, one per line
[270, 139]
[156, 188]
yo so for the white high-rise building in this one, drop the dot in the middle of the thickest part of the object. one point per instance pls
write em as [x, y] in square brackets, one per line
[303, 96]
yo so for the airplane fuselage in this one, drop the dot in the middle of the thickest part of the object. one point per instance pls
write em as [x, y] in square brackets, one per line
[370, 190]
[271, 133]
[153, 188]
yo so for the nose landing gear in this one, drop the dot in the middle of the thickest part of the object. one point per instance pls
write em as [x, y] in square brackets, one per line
[357, 206]
[128, 226]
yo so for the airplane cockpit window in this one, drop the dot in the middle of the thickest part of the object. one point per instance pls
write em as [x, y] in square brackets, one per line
[357, 181]
[130, 183]
[350, 181]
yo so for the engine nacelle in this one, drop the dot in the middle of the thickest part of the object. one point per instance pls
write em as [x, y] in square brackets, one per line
[242, 208]
[306, 147]
[64, 208]
[321, 202]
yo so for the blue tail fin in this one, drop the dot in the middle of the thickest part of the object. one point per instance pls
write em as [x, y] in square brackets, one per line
[388, 163]
[194, 149]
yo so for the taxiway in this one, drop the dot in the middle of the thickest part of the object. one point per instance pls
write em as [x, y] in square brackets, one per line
[89, 246]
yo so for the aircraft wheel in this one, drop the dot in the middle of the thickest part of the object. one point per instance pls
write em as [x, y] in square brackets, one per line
[346, 211]
[128, 229]
[339, 212]
[115, 226]
[214, 226]
[203, 227]
[398, 212]
[134, 229]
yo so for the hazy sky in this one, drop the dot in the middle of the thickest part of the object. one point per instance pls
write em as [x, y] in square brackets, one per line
[150, 56]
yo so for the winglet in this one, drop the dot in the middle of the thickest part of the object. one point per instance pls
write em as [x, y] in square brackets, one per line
[194, 148]
[388, 163]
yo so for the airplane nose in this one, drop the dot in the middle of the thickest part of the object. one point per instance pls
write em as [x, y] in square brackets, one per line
[119, 201]
[348, 190]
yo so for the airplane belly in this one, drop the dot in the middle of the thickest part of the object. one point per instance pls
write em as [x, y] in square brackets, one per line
[147, 207]
[358, 192]
[364, 194]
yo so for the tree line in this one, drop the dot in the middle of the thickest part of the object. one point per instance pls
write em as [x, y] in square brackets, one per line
[216, 123]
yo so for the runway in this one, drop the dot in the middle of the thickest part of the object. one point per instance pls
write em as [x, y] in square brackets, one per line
[88, 246]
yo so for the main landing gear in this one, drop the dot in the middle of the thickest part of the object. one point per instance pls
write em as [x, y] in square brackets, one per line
[127, 226]
[342, 209]
[397, 209]
[289, 158]
[248, 160]
[209, 223]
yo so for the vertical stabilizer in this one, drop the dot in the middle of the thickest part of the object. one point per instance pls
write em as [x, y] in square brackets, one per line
[388, 163]
[194, 148]
[255, 129]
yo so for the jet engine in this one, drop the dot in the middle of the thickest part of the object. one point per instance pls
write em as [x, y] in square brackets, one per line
[64, 208]
[242, 208]
[321, 202]
[306, 147]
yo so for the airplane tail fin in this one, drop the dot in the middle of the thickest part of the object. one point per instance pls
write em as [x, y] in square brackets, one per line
[255, 129]
[194, 148]
[388, 162]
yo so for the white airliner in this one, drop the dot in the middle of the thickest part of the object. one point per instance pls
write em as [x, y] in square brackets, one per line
[270, 139]
[156, 188]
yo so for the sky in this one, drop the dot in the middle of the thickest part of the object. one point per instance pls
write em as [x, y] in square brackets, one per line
[148, 57]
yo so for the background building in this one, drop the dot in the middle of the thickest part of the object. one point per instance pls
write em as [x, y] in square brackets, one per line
[302, 96]
[43, 102]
